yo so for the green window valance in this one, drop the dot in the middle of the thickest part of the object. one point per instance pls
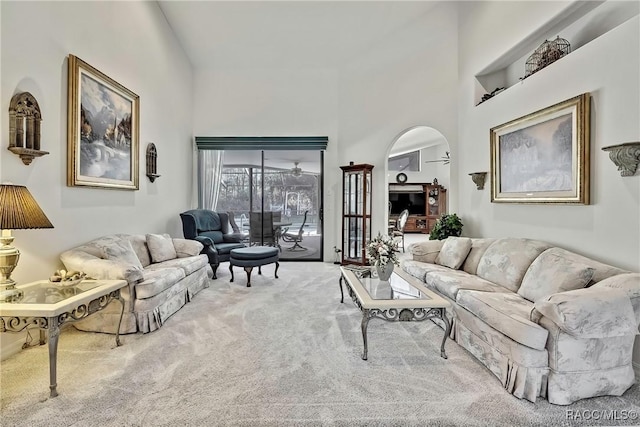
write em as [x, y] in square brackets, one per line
[262, 142]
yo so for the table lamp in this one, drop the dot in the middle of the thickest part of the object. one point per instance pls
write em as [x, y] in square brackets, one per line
[18, 210]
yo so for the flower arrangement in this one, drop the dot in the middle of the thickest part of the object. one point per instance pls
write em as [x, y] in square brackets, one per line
[382, 250]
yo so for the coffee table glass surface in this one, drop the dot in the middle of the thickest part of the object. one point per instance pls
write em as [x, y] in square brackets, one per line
[395, 288]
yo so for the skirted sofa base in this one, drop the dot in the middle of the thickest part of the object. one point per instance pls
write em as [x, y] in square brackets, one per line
[565, 346]
[154, 292]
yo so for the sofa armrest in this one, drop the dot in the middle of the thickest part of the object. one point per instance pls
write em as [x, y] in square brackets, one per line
[628, 283]
[589, 313]
[186, 248]
[99, 268]
[426, 251]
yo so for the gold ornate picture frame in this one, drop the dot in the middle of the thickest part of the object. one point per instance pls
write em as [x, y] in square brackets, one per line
[103, 132]
[543, 157]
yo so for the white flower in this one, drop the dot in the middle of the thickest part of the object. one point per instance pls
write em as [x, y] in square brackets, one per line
[382, 250]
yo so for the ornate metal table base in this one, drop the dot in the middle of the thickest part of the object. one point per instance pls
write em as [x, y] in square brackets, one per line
[404, 315]
[398, 315]
[53, 324]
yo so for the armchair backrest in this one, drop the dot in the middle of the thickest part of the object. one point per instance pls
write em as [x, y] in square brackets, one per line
[203, 222]
[304, 222]
[232, 221]
[402, 220]
[261, 228]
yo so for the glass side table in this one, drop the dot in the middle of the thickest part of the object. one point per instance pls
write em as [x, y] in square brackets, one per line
[48, 306]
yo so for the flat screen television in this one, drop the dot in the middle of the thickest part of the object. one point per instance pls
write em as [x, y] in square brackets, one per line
[415, 202]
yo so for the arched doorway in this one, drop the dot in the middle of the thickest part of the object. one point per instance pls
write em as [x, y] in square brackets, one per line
[417, 157]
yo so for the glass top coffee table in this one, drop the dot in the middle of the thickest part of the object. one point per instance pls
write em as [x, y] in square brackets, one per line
[402, 299]
[48, 306]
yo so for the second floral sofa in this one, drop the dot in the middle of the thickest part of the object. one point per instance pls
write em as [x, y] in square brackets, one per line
[546, 321]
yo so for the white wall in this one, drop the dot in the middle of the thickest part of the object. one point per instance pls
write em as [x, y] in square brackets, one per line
[608, 229]
[272, 102]
[408, 80]
[438, 169]
[428, 171]
[362, 108]
[132, 43]
[608, 67]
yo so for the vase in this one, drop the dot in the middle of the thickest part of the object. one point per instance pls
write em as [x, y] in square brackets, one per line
[384, 272]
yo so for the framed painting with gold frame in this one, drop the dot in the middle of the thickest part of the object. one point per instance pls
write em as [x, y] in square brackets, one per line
[543, 157]
[102, 130]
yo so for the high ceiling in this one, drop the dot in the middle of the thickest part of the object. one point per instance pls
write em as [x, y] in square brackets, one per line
[293, 34]
[284, 34]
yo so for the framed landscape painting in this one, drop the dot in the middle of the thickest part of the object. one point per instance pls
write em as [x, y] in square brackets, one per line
[543, 157]
[102, 130]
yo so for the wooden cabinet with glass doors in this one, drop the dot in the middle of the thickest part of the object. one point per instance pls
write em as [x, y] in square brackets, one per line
[356, 212]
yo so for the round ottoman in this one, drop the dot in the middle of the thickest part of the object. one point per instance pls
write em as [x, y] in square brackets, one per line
[255, 256]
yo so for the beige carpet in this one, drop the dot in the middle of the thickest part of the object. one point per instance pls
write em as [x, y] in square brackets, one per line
[284, 352]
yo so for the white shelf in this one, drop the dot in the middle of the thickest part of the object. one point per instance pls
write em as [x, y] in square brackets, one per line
[579, 23]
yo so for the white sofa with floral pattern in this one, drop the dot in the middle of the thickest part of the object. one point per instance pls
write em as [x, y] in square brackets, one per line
[546, 321]
[163, 275]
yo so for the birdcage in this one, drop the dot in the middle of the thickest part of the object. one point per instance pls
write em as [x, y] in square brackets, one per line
[547, 53]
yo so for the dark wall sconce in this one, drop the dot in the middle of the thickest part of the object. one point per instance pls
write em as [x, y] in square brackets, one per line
[152, 162]
[478, 179]
[24, 127]
[625, 156]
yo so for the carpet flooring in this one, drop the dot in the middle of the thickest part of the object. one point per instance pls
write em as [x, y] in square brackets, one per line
[283, 352]
[312, 252]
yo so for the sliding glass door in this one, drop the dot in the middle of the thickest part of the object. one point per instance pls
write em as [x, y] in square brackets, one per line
[286, 183]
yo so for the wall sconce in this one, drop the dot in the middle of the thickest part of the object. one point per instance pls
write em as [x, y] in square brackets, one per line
[152, 162]
[24, 127]
[626, 156]
[478, 179]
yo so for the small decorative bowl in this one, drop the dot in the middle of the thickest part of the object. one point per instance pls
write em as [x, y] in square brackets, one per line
[68, 283]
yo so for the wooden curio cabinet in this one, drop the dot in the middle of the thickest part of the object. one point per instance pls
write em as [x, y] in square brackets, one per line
[436, 198]
[356, 212]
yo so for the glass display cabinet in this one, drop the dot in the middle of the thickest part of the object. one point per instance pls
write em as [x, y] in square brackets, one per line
[356, 212]
[436, 204]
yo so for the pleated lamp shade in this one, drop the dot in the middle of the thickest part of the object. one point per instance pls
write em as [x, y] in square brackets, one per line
[19, 210]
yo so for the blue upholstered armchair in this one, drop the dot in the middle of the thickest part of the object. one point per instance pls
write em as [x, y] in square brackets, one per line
[212, 230]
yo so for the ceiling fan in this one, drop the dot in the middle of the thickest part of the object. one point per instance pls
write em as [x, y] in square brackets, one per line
[296, 171]
[444, 160]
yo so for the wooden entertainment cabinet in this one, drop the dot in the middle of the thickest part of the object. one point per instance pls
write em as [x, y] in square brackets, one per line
[413, 197]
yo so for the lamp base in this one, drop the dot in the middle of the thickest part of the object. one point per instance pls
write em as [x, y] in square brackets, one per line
[9, 257]
[11, 295]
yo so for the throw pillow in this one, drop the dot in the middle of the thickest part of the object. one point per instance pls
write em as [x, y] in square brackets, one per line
[454, 252]
[161, 247]
[426, 251]
[549, 274]
[122, 251]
